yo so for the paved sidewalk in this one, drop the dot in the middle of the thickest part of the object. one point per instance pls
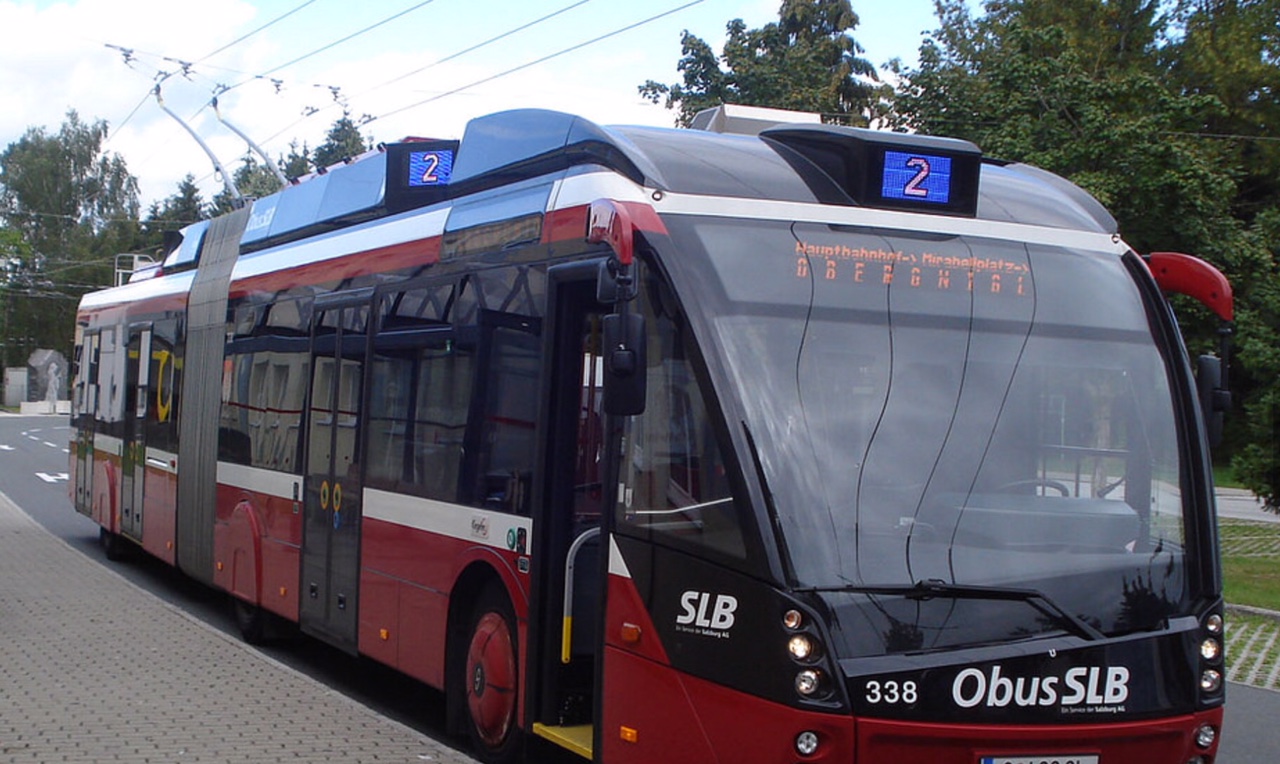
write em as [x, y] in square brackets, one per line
[1240, 504]
[80, 681]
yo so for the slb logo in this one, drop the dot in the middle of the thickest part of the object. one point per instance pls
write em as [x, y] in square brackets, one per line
[700, 610]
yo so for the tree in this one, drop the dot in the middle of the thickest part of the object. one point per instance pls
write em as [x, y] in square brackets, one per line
[1230, 50]
[15, 261]
[343, 141]
[62, 191]
[182, 208]
[75, 206]
[297, 163]
[1026, 92]
[254, 181]
[806, 61]
[1116, 96]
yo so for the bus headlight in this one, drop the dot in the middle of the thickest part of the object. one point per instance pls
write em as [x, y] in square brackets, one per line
[807, 743]
[793, 619]
[1210, 680]
[1206, 735]
[808, 682]
[1211, 649]
[800, 646]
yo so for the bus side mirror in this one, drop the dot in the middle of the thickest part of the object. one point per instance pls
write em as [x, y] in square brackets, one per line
[1214, 399]
[625, 375]
[614, 283]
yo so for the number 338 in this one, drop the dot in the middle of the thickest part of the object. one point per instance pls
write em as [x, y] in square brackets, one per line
[891, 691]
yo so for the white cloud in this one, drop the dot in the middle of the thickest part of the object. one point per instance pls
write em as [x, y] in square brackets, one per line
[56, 58]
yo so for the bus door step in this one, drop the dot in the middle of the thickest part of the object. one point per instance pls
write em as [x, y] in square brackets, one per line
[576, 738]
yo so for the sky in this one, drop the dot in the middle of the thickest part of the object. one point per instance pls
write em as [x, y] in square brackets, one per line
[409, 67]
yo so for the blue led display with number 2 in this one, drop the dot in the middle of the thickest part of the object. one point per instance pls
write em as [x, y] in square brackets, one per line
[430, 168]
[916, 177]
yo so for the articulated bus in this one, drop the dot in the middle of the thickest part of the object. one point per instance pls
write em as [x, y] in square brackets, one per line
[745, 443]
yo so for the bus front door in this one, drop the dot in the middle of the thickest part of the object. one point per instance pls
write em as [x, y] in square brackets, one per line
[331, 523]
[133, 461]
[568, 525]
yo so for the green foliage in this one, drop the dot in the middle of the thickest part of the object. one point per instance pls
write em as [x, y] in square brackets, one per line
[806, 61]
[181, 209]
[75, 206]
[62, 191]
[1131, 104]
[1250, 553]
[343, 141]
[297, 163]
[253, 180]
[14, 250]
[1230, 51]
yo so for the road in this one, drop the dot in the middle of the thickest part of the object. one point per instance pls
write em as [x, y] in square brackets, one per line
[33, 473]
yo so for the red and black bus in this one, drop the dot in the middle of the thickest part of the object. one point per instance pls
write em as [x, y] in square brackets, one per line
[808, 444]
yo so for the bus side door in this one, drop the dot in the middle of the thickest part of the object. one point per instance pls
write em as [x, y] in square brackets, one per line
[333, 474]
[86, 399]
[133, 459]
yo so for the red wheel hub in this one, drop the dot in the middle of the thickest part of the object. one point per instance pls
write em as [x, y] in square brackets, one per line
[491, 679]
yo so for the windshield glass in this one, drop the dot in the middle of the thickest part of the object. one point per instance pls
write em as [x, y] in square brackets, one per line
[979, 412]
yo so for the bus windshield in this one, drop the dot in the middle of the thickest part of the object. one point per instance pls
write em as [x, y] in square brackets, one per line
[979, 413]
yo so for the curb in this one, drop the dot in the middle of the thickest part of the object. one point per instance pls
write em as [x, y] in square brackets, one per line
[1250, 610]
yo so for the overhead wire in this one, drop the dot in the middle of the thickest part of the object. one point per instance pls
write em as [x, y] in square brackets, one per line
[333, 44]
[247, 35]
[477, 46]
[190, 66]
[537, 61]
[112, 133]
[515, 30]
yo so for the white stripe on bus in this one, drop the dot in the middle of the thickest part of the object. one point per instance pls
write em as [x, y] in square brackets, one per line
[896, 222]
[480, 526]
[282, 485]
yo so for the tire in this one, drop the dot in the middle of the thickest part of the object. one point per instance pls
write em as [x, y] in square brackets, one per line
[115, 547]
[251, 620]
[490, 679]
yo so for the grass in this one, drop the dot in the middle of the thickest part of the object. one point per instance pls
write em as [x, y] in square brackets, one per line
[1251, 582]
[1251, 576]
[1225, 477]
[1251, 563]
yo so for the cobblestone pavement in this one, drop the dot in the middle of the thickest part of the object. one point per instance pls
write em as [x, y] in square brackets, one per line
[1253, 649]
[80, 682]
[1253, 634]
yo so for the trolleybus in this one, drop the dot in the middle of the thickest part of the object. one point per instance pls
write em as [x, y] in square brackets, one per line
[796, 444]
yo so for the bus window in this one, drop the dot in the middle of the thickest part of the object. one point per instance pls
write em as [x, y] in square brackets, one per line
[506, 428]
[672, 476]
[456, 393]
[418, 416]
[267, 381]
[162, 414]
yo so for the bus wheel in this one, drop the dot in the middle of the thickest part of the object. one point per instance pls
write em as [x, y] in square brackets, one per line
[115, 547]
[490, 679]
[251, 620]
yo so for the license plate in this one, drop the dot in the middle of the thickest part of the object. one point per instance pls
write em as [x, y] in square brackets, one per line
[1055, 759]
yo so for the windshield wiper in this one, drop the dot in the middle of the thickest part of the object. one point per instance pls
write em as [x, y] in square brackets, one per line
[930, 588]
